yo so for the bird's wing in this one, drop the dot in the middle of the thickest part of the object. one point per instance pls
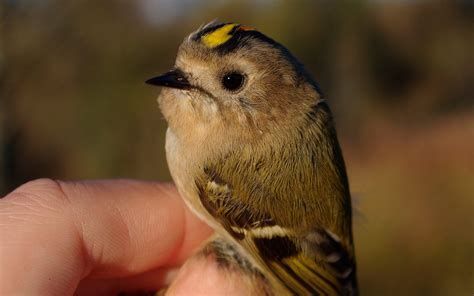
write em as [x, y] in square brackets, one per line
[310, 263]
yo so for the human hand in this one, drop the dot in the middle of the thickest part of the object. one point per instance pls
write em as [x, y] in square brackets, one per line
[102, 238]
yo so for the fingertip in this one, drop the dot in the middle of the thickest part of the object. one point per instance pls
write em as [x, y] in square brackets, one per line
[202, 275]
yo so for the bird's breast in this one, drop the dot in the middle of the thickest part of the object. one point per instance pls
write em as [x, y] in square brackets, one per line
[183, 163]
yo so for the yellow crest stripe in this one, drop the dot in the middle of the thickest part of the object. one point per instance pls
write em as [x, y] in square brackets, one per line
[219, 36]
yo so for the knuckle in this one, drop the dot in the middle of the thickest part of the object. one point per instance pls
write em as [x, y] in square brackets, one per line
[44, 184]
[37, 195]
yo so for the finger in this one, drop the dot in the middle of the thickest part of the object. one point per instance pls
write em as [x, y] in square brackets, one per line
[153, 280]
[204, 276]
[56, 233]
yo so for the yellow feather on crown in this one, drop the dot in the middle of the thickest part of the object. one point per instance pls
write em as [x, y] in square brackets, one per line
[218, 36]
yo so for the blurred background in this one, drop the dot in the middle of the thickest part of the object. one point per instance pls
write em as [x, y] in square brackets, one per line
[398, 75]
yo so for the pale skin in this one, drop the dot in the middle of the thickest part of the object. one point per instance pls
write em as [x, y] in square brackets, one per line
[104, 237]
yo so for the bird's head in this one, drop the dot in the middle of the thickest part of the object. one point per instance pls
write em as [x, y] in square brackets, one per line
[231, 77]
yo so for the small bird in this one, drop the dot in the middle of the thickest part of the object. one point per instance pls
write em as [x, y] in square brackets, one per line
[252, 148]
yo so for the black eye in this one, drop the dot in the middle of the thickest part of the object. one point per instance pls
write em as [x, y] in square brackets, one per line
[233, 81]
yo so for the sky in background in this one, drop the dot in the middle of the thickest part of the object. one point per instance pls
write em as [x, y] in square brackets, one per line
[164, 12]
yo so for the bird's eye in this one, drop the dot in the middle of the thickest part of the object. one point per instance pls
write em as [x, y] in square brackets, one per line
[233, 81]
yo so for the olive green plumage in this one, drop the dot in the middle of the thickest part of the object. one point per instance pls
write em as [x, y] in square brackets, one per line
[252, 148]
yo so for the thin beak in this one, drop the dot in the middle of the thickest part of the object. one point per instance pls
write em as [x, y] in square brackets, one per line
[174, 79]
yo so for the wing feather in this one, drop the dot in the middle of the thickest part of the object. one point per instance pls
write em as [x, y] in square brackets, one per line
[311, 264]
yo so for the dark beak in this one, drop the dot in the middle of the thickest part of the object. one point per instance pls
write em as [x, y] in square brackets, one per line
[174, 79]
